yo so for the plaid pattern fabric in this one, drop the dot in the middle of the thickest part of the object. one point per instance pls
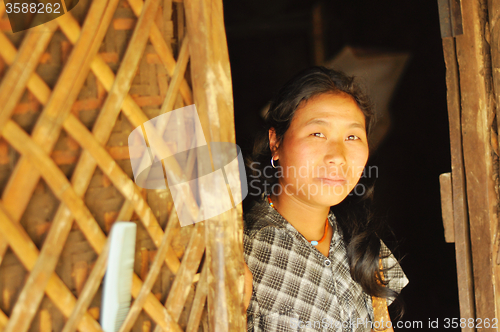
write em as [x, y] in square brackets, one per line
[297, 288]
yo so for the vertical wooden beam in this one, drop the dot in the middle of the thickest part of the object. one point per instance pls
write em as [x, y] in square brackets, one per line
[476, 96]
[212, 89]
[493, 38]
[461, 222]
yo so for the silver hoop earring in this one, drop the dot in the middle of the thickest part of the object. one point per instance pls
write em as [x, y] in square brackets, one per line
[272, 162]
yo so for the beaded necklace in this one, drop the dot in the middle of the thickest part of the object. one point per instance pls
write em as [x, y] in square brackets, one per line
[314, 243]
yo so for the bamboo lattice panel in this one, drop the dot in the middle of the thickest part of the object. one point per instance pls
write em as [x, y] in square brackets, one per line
[71, 92]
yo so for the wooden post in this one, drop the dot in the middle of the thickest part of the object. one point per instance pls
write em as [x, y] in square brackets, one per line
[492, 31]
[212, 88]
[465, 277]
[477, 111]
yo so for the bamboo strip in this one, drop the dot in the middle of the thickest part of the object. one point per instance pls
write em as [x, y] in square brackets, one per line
[233, 278]
[155, 269]
[184, 279]
[3, 244]
[27, 58]
[45, 321]
[180, 21]
[53, 176]
[89, 290]
[3, 318]
[177, 77]
[154, 308]
[35, 84]
[199, 301]
[163, 51]
[27, 253]
[3, 248]
[144, 264]
[126, 211]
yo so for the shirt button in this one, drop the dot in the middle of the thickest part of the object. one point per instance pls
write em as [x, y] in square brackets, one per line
[327, 262]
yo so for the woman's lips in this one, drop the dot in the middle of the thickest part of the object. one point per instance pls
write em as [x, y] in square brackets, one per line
[333, 181]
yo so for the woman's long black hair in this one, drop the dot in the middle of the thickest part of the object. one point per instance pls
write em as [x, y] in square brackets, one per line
[354, 215]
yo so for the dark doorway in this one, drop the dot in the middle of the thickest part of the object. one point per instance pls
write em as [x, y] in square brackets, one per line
[269, 41]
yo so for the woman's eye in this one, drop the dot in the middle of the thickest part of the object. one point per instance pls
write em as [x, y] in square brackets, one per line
[318, 135]
[352, 137]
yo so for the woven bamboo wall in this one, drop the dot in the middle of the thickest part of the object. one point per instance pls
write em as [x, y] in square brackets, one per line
[71, 92]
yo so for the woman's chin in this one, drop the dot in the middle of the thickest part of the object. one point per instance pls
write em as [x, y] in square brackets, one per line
[328, 200]
[332, 195]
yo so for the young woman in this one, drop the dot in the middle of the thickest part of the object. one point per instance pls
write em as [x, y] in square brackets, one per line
[310, 243]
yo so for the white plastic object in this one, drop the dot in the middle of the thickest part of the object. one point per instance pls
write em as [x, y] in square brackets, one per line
[116, 294]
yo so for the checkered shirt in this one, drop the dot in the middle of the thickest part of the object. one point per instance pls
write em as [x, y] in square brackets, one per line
[297, 288]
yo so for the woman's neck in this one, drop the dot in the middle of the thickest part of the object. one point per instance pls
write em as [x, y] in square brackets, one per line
[308, 219]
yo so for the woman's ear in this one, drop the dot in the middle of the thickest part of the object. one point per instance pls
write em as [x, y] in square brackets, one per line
[273, 144]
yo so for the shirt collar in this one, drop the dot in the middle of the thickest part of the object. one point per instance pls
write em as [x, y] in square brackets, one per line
[281, 222]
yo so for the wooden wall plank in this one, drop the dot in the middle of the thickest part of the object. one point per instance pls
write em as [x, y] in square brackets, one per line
[465, 277]
[493, 37]
[476, 96]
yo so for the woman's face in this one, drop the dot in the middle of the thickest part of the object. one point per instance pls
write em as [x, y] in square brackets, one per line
[324, 151]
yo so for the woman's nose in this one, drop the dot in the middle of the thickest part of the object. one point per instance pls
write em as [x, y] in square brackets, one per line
[335, 154]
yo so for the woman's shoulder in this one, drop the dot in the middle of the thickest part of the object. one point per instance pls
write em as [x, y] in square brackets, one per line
[258, 218]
